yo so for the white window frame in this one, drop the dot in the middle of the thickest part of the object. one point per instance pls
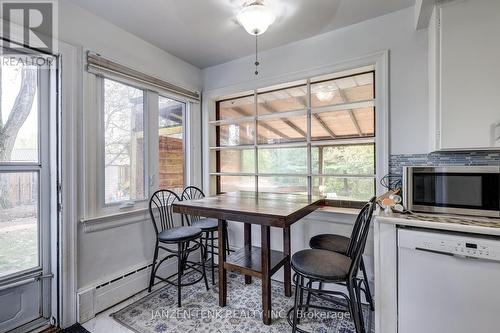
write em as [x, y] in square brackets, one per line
[93, 143]
[379, 61]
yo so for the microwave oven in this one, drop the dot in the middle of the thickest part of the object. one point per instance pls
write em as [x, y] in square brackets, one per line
[463, 190]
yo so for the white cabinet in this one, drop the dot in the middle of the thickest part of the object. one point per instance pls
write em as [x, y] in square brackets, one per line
[464, 70]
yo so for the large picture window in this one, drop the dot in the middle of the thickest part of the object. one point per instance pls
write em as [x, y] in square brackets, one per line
[312, 137]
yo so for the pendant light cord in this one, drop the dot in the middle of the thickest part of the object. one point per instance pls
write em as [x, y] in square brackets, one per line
[256, 56]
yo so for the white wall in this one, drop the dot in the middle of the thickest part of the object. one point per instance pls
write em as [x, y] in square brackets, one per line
[408, 69]
[408, 96]
[103, 254]
[78, 26]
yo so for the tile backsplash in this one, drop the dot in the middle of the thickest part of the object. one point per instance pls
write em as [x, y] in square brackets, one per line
[397, 162]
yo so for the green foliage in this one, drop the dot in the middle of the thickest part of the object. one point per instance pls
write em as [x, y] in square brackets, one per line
[336, 164]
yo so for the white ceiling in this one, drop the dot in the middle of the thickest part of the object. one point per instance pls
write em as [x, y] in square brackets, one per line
[206, 33]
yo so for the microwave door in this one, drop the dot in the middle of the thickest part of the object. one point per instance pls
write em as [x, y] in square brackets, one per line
[456, 193]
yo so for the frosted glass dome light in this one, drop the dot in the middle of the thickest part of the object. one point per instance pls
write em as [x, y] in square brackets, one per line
[325, 96]
[256, 18]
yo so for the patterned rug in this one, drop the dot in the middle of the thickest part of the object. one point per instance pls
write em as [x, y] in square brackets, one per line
[158, 313]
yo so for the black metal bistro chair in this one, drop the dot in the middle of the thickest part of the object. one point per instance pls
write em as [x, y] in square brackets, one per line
[340, 244]
[323, 266]
[187, 239]
[208, 226]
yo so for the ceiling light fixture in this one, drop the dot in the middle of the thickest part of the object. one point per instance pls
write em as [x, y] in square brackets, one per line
[325, 96]
[256, 19]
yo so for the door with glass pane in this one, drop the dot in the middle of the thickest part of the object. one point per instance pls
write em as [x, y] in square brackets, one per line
[25, 272]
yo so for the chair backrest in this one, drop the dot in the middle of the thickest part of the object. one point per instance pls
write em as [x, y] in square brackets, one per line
[160, 209]
[192, 193]
[359, 236]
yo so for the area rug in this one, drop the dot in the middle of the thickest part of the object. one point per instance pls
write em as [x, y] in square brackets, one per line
[158, 313]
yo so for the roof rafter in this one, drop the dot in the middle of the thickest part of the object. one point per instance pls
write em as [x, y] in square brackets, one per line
[325, 126]
[264, 125]
[302, 100]
[285, 120]
[350, 111]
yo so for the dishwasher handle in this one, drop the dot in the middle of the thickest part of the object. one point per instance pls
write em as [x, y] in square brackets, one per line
[435, 251]
[459, 256]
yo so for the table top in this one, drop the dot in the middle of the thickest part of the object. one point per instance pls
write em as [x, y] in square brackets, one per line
[275, 209]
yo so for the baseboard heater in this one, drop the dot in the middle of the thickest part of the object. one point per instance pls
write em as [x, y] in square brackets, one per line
[98, 298]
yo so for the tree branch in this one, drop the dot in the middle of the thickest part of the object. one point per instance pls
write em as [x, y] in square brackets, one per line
[19, 113]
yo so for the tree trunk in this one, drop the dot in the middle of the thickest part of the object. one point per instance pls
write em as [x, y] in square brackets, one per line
[18, 115]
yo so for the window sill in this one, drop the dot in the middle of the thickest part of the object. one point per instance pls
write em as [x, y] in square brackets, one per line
[110, 221]
[333, 215]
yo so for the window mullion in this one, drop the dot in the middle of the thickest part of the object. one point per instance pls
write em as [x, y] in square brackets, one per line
[309, 155]
[152, 146]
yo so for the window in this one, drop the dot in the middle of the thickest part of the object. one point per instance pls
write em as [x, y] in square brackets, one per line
[135, 132]
[143, 143]
[124, 172]
[171, 143]
[20, 167]
[310, 137]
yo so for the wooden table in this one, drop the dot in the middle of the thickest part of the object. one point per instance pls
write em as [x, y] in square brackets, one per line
[264, 209]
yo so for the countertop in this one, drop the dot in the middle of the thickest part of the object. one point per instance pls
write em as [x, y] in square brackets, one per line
[476, 225]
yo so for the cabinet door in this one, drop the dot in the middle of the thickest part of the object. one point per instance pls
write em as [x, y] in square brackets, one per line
[470, 74]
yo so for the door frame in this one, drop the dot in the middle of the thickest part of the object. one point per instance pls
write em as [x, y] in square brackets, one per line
[70, 150]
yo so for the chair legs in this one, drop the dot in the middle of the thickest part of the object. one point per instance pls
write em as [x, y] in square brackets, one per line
[354, 305]
[153, 270]
[296, 304]
[353, 302]
[179, 273]
[226, 237]
[209, 238]
[366, 284]
[182, 254]
[212, 253]
[203, 263]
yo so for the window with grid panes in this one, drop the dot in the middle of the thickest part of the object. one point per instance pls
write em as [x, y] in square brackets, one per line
[316, 136]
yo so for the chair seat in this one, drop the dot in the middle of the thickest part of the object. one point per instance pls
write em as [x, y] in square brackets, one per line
[335, 243]
[179, 234]
[321, 264]
[206, 224]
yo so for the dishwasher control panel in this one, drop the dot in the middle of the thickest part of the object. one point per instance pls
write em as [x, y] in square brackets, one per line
[474, 247]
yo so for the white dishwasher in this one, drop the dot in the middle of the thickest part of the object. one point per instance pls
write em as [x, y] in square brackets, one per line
[448, 282]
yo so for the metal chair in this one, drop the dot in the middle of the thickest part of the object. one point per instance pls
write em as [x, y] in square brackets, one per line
[187, 239]
[207, 225]
[323, 266]
[340, 244]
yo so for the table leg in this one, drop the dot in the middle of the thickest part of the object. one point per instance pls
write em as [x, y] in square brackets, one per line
[222, 260]
[287, 268]
[266, 276]
[248, 242]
